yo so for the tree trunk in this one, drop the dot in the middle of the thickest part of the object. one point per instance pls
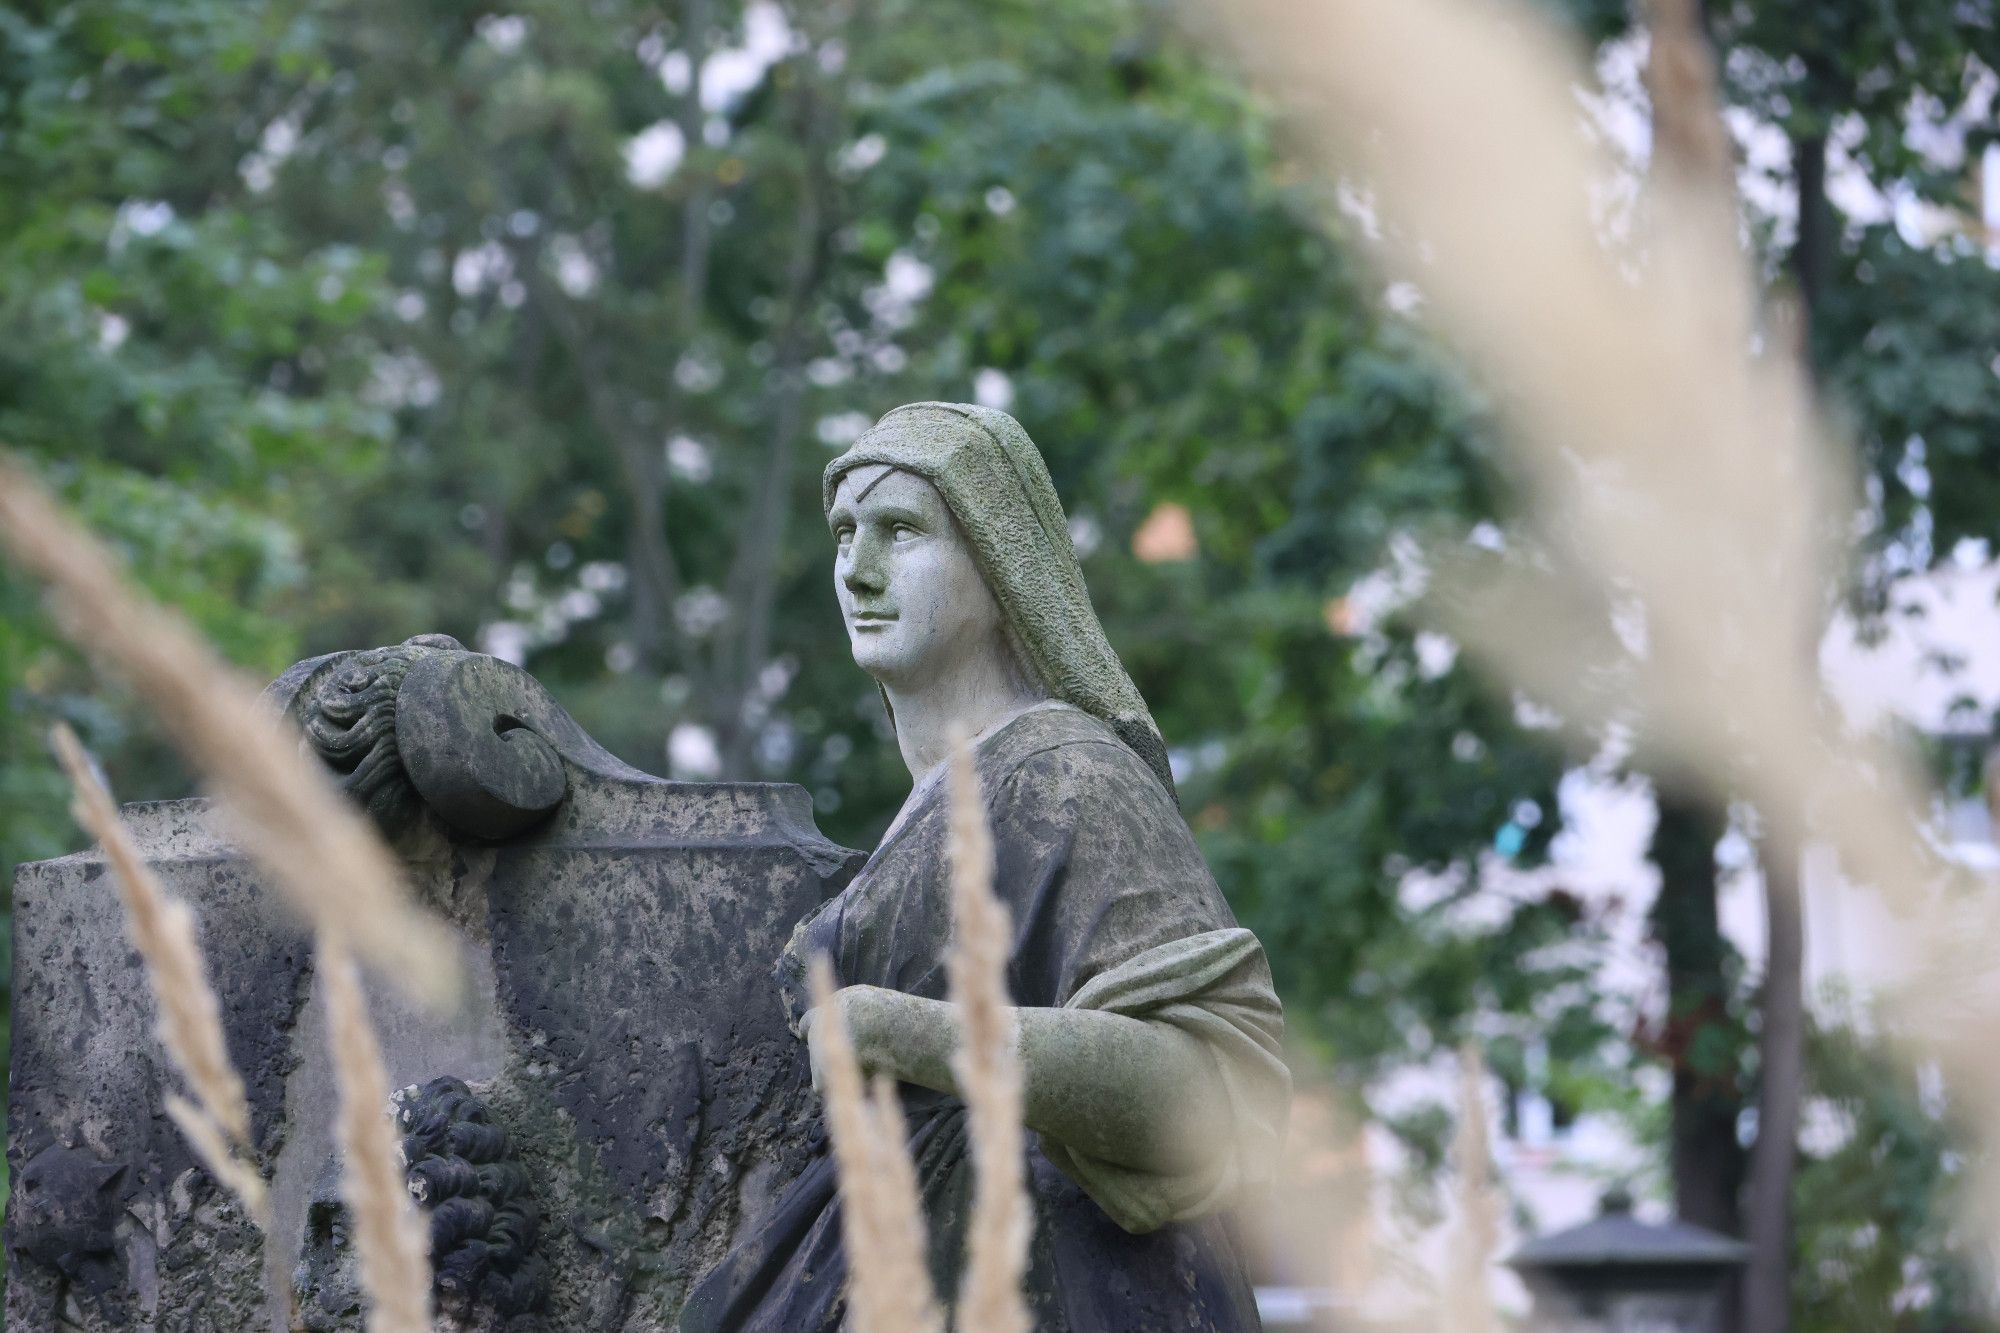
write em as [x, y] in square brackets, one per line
[1707, 1158]
[696, 227]
[655, 575]
[655, 578]
[1692, 145]
[1767, 1281]
[656, 584]
[1781, 1042]
[764, 537]
[759, 562]
[1814, 248]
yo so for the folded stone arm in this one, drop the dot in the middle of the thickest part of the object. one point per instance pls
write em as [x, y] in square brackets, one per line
[1141, 1094]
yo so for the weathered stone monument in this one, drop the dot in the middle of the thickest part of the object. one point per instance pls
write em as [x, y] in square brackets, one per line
[618, 1132]
[618, 1097]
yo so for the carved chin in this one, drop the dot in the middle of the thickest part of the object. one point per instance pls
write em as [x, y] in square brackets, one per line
[879, 652]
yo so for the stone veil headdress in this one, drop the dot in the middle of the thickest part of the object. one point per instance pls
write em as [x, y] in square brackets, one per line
[998, 488]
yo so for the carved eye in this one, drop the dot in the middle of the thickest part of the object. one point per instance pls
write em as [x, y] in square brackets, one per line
[903, 532]
[844, 533]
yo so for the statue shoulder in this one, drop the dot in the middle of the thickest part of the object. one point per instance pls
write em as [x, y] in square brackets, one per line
[1060, 754]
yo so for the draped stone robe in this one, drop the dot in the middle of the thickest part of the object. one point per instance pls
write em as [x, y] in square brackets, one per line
[1112, 909]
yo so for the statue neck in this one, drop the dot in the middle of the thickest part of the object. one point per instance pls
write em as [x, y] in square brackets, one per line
[974, 694]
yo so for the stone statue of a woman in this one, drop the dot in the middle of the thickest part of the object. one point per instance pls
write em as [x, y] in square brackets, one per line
[1149, 1031]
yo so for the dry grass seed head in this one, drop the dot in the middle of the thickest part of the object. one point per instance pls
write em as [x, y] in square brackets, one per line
[888, 1278]
[391, 1245]
[216, 1122]
[162, 929]
[211, 1144]
[1468, 1295]
[987, 1067]
[1680, 473]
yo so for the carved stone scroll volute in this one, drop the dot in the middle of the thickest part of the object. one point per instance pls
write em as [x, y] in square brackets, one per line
[474, 736]
[427, 723]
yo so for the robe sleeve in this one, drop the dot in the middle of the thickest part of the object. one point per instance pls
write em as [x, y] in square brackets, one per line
[1115, 910]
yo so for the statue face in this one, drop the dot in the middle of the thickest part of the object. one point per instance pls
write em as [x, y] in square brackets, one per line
[910, 593]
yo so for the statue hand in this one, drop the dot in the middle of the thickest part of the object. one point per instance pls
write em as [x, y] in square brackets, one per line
[859, 1008]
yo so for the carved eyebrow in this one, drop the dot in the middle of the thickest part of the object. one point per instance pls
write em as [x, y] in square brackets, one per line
[902, 514]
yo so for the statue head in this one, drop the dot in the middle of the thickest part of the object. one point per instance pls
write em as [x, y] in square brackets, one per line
[911, 593]
[955, 542]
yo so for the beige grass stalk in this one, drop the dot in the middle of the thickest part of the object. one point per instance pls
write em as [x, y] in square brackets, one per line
[1468, 1297]
[905, 1235]
[391, 1246]
[1679, 472]
[162, 929]
[216, 1122]
[319, 850]
[1689, 135]
[211, 1143]
[988, 1068]
[888, 1277]
[1336, 1150]
[1322, 1223]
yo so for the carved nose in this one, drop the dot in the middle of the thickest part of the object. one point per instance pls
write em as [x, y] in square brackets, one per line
[863, 572]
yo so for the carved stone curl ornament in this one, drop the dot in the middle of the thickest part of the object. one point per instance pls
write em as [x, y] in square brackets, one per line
[426, 723]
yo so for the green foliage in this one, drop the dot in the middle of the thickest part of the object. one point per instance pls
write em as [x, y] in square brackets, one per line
[1808, 65]
[1907, 336]
[1805, 66]
[175, 360]
[1886, 1240]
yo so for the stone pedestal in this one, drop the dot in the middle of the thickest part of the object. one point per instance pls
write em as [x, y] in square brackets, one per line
[622, 1026]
